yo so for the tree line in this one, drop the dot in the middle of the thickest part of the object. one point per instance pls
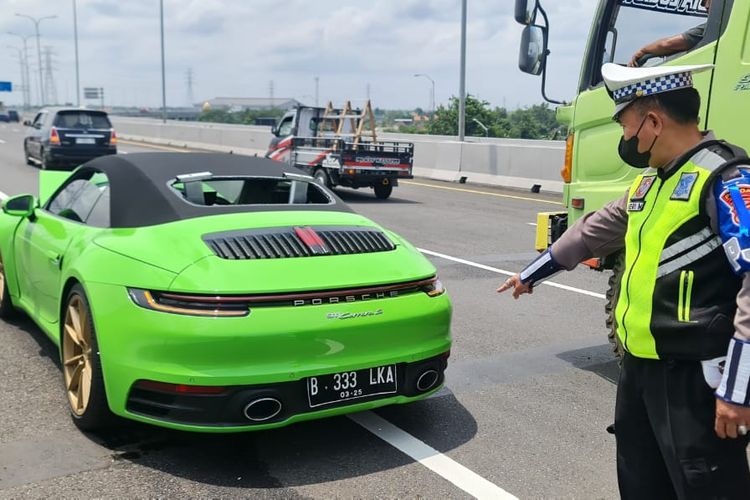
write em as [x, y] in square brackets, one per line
[534, 122]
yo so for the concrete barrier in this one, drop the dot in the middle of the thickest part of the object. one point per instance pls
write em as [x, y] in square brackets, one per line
[517, 163]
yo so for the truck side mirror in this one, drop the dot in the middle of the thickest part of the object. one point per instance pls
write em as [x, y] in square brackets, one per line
[525, 12]
[533, 54]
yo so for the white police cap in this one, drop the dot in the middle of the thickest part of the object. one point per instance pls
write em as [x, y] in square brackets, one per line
[626, 84]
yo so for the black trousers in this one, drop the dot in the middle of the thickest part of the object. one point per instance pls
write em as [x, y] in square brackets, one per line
[666, 444]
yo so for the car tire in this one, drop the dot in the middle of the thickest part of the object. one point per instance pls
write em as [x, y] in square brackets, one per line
[43, 162]
[322, 177]
[383, 191]
[7, 311]
[26, 155]
[81, 364]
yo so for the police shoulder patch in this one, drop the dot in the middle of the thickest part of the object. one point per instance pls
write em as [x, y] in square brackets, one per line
[684, 186]
[643, 188]
[742, 195]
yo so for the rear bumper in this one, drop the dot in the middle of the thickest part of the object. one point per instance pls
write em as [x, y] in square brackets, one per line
[65, 155]
[227, 410]
[274, 351]
[372, 178]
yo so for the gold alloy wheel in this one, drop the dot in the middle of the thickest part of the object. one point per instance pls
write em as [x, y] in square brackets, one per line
[76, 350]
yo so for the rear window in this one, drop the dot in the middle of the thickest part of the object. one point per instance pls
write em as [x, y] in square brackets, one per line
[81, 119]
[251, 191]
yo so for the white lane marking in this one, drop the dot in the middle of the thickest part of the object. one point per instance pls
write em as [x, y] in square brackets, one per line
[123, 152]
[2, 141]
[462, 477]
[531, 224]
[3, 196]
[509, 273]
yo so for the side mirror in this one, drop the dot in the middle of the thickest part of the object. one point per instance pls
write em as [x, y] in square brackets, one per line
[22, 205]
[532, 56]
[27, 123]
[525, 12]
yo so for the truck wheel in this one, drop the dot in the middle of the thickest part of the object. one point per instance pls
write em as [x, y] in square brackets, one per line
[613, 293]
[321, 176]
[383, 191]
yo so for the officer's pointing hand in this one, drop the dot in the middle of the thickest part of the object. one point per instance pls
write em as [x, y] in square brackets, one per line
[731, 420]
[519, 288]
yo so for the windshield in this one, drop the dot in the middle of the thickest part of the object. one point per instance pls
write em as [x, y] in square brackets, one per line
[82, 119]
[628, 26]
[250, 191]
[636, 25]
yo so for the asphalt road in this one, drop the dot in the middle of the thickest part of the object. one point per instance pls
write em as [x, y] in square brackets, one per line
[530, 387]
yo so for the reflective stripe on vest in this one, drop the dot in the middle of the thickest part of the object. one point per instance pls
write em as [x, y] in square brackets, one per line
[666, 233]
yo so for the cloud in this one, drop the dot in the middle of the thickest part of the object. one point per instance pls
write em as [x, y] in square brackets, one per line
[237, 48]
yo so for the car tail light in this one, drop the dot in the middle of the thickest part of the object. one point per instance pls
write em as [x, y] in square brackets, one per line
[112, 138]
[187, 305]
[151, 385]
[567, 170]
[54, 138]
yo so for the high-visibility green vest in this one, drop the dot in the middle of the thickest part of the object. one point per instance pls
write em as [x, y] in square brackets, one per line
[678, 293]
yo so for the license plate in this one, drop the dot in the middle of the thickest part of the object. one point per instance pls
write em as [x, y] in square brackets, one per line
[328, 389]
[85, 140]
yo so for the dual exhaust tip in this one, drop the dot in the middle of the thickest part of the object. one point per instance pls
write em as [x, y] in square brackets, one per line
[427, 380]
[264, 409]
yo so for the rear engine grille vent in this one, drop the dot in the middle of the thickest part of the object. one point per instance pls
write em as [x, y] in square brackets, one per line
[284, 242]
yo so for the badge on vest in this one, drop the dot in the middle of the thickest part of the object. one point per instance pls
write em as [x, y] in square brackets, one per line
[636, 202]
[684, 187]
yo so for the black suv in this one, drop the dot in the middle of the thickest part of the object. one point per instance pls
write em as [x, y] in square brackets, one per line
[67, 137]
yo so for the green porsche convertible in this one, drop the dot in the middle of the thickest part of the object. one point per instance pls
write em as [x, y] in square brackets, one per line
[219, 293]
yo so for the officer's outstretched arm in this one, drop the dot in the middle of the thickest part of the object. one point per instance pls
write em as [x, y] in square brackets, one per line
[540, 269]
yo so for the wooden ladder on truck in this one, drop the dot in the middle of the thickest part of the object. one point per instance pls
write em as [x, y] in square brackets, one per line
[358, 122]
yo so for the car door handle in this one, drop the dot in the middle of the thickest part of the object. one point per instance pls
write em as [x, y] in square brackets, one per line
[54, 258]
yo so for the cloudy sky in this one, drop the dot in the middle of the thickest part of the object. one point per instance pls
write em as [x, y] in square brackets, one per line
[237, 47]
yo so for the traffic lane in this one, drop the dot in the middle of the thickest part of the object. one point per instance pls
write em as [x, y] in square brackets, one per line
[487, 228]
[462, 385]
[452, 222]
[486, 323]
[44, 448]
[539, 435]
[15, 176]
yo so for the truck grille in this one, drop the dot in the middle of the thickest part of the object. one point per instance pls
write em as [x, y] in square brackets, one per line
[287, 242]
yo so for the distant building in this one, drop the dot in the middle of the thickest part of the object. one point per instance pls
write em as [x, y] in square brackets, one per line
[251, 103]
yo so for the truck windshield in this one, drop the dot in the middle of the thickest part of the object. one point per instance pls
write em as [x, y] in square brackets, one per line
[636, 27]
[633, 24]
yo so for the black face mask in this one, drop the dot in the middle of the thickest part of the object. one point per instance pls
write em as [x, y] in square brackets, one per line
[628, 150]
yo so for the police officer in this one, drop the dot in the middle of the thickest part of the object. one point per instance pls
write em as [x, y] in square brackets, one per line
[683, 315]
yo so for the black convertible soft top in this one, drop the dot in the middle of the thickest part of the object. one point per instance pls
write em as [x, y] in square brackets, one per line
[140, 192]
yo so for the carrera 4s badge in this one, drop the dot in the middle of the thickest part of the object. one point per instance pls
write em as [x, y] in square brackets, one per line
[363, 314]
